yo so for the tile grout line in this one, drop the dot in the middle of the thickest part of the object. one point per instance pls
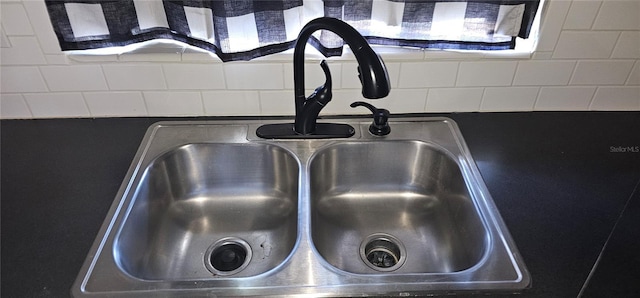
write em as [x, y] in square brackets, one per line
[606, 243]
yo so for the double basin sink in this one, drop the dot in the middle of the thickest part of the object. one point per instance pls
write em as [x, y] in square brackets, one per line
[209, 209]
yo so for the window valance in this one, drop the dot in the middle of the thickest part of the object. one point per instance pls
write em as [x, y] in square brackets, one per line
[246, 29]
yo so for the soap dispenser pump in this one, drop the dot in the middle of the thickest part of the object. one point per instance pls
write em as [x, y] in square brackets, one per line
[380, 125]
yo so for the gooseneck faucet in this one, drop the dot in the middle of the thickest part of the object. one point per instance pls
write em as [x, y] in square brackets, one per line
[371, 71]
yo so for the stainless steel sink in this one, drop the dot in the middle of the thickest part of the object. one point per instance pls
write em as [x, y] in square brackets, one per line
[196, 195]
[209, 209]
[411, 193]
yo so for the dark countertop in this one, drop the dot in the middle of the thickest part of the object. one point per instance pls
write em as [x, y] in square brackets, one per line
[569, 197]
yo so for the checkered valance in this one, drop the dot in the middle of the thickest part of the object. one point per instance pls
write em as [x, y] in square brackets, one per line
[246, 29]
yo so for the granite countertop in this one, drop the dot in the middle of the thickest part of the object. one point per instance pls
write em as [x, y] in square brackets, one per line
[566, 183]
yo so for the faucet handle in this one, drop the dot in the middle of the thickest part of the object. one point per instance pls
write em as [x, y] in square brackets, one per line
[323, 93]
[380, 125]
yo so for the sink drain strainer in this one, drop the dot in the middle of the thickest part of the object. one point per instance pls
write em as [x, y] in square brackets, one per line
[382, 252]
[228, 256]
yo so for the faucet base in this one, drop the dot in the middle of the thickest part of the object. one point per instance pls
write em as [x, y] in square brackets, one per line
[322, 131]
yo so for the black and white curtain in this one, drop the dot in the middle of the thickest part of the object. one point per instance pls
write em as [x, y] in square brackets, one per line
[246, 29]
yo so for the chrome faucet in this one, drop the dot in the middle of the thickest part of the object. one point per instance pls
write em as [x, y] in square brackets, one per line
[371, 71]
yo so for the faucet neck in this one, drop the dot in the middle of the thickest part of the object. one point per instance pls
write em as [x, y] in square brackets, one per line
[298, 60]
[372, 72]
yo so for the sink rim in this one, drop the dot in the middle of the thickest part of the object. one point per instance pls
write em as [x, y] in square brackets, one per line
[441, 130]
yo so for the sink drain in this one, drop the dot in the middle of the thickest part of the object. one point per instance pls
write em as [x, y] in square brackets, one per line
[382, 252]
[228, 256]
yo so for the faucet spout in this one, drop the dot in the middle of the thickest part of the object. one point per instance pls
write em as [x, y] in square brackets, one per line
[371, 69]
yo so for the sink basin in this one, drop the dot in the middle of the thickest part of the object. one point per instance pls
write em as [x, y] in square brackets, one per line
[195, 195]
[209, 209]
[411, 191]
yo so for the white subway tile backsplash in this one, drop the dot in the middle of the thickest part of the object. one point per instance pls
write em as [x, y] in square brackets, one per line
[56, 59]
[170, 103]
[601, 72]
[231, 103]
[24, 50]
[618, 15]
[4, 40]
[342, 99]
[628, 45]
[427, 74]
[403, 101]
[616, 98]
[115, 104]
[14, 19]
[564, 98]
[13, 106]
[586, 44]
[551, 26]
[39, 17]
[581, 14]
[509, 99]
[541, 55]
[57, 105]
[350, 78]
[74, 78]
[634, 77]
[489, 73]
[194, 76]
[454, 99]
[277, 103]
[134, 77]
[17, 79]
[253, 76]
[539, 72]
[393, 70]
